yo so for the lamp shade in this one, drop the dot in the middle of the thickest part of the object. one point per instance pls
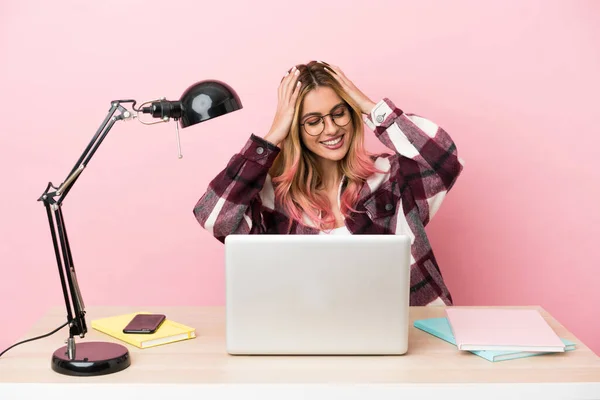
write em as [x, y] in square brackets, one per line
[205, 100]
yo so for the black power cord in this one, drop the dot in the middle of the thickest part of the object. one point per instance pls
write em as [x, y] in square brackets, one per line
[36, 338]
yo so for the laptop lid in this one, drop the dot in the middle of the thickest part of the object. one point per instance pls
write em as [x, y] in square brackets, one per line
[317, 294]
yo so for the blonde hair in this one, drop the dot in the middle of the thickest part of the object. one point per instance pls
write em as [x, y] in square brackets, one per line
[296, 174]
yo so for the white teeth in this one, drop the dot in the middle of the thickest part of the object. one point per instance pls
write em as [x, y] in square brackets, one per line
[332, 142]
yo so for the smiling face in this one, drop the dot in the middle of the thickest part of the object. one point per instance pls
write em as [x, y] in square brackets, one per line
[322, 109]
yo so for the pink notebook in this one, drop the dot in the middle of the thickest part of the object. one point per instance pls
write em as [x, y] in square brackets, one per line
[502, 330]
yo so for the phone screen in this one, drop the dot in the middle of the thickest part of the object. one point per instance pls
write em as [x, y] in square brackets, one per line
[144, 323]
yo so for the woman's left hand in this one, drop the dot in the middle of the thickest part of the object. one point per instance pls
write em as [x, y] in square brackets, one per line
[365, 104]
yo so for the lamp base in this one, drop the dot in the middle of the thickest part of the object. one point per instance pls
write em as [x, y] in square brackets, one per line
[91, 359]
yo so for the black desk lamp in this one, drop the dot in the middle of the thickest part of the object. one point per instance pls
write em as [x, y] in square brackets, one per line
[200, 102]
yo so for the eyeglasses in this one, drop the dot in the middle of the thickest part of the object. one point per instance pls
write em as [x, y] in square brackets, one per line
[315, 124]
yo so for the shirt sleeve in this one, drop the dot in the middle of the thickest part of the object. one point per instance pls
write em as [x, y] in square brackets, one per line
[426, 154]
[232, 203]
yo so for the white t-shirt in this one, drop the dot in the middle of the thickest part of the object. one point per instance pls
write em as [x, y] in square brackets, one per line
[342, 230]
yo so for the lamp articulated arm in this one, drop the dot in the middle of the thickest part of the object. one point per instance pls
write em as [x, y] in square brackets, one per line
[52, 199]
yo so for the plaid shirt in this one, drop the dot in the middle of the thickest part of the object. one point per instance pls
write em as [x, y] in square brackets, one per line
[402, 200]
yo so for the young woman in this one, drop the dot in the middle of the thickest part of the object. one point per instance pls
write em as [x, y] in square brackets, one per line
[311, 174]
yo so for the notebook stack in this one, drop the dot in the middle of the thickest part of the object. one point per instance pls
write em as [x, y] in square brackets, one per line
[496, 334]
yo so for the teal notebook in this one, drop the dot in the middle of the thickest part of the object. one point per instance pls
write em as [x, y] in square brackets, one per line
[440, 327]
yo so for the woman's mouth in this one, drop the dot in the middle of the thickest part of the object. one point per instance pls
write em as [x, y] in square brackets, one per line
[334, 144]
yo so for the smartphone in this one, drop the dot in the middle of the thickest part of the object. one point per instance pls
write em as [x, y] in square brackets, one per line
[144, 323]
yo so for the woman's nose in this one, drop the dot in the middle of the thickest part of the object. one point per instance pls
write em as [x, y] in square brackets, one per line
[330, 127]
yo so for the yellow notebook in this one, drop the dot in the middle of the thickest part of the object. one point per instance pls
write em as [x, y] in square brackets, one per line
[168, 332]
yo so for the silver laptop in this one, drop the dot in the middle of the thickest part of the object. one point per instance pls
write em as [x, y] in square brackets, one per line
[317, 294]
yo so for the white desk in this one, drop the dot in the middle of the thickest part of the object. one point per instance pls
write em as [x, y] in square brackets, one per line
[201, 369]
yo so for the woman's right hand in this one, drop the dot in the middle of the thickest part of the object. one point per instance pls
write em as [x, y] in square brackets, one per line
[287, 95]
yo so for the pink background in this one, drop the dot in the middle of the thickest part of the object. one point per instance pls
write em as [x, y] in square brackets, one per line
[515, 83]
